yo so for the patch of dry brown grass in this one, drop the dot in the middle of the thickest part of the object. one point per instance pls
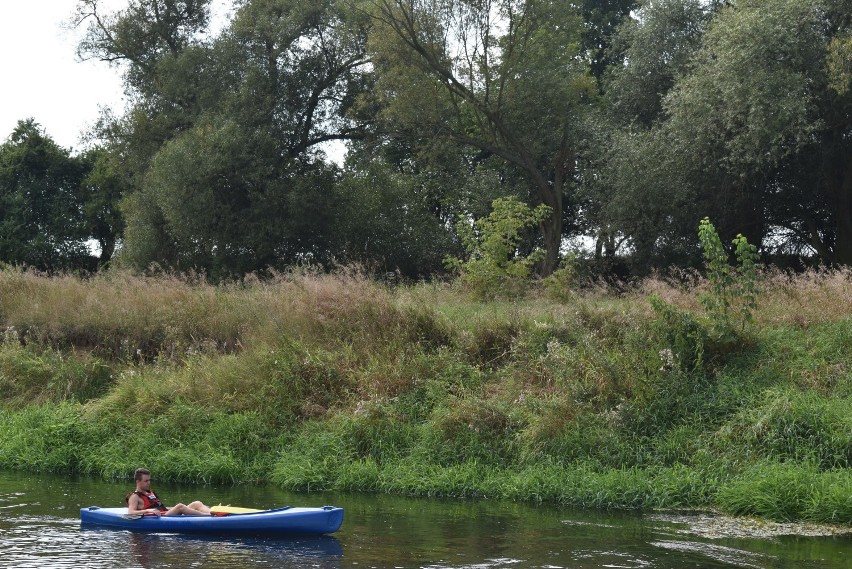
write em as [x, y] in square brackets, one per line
[138, 317]
[813, 297]
[682, 291]
[120, 314]
[345, 305]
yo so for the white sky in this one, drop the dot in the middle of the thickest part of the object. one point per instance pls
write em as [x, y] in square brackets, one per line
[41, 77]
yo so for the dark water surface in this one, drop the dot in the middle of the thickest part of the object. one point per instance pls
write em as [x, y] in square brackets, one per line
[40, 527]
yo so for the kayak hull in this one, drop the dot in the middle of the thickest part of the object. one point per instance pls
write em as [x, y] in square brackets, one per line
[281, 521]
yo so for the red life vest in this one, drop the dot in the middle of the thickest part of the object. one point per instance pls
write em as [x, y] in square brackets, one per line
[150, 500]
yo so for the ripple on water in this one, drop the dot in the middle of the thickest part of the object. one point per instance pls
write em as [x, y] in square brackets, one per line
[736, 557]
[585, 523]
[14, 498]
[615, 559]
[42, 545]
[487, 564]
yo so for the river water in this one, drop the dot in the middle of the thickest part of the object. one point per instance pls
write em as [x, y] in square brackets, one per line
[40, 527]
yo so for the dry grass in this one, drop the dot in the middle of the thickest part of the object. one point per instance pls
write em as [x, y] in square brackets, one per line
[812, 297]
[141, 317]
[120, 314]
[132, 316]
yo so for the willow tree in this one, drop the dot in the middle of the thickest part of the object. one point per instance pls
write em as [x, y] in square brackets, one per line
[224, 134]
[755, 132]
[247, 186]
[757, 112]
[159, 46]
[507, 78]
[642, 196]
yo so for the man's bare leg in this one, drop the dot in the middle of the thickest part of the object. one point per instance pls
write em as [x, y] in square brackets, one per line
[184, 510]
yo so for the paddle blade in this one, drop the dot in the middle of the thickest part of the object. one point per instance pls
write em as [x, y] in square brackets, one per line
[233, 510]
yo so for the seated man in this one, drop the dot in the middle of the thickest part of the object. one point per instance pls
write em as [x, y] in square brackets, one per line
[143, 501]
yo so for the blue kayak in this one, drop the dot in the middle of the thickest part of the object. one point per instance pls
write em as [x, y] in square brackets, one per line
[280, 521]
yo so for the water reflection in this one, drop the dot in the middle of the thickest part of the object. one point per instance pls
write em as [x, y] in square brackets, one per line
[177, 550]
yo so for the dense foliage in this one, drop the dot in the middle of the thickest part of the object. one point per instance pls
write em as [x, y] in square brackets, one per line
[631, 120]
[41, 202]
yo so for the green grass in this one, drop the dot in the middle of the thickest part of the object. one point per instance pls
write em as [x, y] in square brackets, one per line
[790, 491]
[318, 382]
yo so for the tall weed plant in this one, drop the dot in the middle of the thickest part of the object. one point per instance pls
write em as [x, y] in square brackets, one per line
[797, 426]
[31, 374]
[732, 297]
[728, 304]
[789, 491]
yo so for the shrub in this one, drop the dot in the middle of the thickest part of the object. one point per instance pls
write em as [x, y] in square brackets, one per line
[495, 265]
[560, 283]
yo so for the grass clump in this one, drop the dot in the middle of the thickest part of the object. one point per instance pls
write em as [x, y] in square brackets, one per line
[796, 426]
[790, 491]
[32, 374]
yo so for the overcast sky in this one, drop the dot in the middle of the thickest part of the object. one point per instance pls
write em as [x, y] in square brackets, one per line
[41, 77]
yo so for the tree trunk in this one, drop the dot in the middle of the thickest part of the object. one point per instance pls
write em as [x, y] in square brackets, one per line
[843, 216]
[107, 251]
[549, 191]
[551, 228]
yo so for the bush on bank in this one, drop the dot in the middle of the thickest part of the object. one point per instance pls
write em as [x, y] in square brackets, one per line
[337, 382]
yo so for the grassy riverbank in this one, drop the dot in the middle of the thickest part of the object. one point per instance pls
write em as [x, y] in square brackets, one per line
[336, 382]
